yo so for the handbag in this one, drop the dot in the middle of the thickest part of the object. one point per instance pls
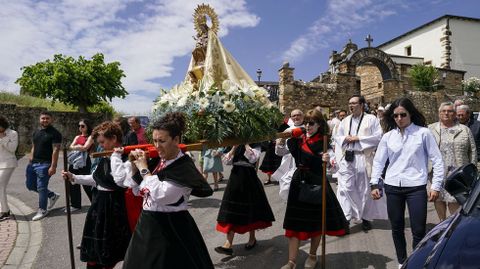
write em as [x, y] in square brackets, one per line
[310, 193]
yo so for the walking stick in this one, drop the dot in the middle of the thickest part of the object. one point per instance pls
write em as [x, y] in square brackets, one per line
[324, 200]
[69, 216]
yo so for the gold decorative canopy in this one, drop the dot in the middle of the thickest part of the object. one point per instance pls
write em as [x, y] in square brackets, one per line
[200, 19]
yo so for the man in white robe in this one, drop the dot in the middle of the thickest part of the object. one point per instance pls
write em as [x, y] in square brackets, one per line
[287, 167]
[359, 133]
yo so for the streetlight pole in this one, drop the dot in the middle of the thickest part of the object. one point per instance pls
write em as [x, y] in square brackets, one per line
[259, 75]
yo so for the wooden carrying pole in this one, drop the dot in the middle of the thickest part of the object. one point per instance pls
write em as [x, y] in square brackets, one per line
[206, 144]
[324, 200]
[69, 215]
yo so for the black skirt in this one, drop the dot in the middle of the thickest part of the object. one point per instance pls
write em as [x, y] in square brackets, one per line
[305, 217]
[244, 201]
[106, 233]
[167, 240]
[271, 161]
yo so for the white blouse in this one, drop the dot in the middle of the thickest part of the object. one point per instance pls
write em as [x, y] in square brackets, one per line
[157, 195]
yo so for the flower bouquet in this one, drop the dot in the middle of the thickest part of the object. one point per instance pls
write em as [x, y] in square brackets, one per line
[218, 112]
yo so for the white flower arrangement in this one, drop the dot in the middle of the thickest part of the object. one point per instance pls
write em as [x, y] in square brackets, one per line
[471, 84]
[216, 112]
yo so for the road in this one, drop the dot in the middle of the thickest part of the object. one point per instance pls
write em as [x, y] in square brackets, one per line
[357, 250]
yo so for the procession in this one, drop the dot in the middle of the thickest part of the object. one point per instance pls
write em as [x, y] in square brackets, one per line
[328, 175]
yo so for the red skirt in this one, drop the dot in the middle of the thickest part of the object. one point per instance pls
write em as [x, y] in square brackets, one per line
[134, 205]
[308, 235]
[241, 229]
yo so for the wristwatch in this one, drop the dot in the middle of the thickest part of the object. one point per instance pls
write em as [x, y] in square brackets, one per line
[144, 171]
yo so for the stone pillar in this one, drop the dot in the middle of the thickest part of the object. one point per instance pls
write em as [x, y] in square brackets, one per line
[285, 84]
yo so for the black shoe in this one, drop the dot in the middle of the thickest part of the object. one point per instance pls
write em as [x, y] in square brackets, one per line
[249, 247]
[366, 225]
[222, 250]
[5, 216]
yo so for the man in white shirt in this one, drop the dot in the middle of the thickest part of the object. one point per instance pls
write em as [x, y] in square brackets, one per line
[355, 143]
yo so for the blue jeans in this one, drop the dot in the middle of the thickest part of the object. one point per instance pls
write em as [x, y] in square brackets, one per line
[37, 180]
[416, 200]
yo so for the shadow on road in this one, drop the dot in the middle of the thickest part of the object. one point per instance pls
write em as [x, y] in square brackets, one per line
[361, 259]
[205, 203]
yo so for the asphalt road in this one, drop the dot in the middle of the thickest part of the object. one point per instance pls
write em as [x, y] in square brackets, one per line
[357, 250]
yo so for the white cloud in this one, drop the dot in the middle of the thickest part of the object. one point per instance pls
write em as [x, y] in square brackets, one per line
[339, 20]
[144, 37]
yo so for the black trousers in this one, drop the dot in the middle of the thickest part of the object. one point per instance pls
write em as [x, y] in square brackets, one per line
[416, 200]
[75, 191]
[76, 194]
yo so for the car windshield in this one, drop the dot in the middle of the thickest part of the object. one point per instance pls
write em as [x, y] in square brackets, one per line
[473, 199]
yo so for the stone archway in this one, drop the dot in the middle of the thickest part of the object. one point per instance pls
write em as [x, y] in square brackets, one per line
[375, 56]
[389, 85]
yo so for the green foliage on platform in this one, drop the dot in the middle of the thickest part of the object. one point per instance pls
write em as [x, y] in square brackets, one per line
[216, 112]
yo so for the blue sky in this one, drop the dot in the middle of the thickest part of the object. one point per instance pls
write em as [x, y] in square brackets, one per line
[153, 39]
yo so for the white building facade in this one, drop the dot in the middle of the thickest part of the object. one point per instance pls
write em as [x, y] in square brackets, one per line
[451, 42]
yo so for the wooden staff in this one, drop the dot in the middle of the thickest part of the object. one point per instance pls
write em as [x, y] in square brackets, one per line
[324, 200]
[69, 215]
[208, 144]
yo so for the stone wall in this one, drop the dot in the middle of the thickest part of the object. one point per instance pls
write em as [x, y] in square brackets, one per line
[306, 95]
[371, 82]
[25, 121]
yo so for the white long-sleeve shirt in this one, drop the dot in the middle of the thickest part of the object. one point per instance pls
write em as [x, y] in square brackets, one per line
[408, 155]
[120, 173]
[157, 195]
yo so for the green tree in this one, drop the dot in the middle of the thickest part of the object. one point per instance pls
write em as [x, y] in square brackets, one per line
[423, 77]
[82, 83]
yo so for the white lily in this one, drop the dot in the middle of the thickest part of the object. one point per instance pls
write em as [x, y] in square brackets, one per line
[203, 102]
[229, 106]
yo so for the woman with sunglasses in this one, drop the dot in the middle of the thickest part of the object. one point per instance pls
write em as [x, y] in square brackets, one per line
[409, 146]
[82, 143]
[303, 219]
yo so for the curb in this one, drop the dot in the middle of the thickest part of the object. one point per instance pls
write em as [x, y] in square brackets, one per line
[29, 237]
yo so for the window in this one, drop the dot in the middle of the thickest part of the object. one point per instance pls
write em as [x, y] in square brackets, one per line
[408, 51]
[428, 63]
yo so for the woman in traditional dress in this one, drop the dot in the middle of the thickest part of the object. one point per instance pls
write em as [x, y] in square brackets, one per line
[166, 235]
[271, 161]
[106, 233]
[303, 220]
[244, 207]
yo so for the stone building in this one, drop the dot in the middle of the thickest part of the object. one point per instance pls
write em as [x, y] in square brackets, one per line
[446, 42]
[369, 71]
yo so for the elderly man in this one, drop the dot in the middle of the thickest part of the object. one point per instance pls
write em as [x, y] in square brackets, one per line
[287, 167]
[357, 138]
[465, 117]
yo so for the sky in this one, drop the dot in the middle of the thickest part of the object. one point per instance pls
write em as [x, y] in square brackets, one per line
[153, 41]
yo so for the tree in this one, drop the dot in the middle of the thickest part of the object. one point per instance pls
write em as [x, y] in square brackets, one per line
[423, 77]
[83, 83]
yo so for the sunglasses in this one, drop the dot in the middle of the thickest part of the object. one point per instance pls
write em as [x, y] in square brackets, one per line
[401, 115]
[310, 123]
[81, 126]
